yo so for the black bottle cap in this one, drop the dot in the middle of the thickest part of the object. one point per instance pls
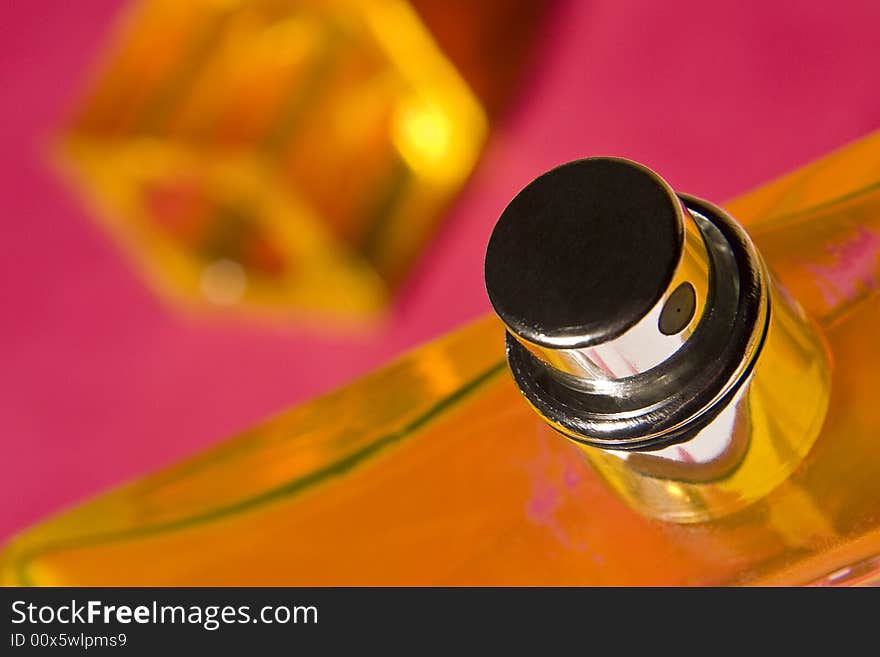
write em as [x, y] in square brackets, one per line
[583, 252]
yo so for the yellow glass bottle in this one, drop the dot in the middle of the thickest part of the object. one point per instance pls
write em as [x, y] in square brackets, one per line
[435, 470]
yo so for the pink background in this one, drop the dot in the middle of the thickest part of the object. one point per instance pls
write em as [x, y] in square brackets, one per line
[99, 382]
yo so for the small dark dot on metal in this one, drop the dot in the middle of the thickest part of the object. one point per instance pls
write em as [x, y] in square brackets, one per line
[679, 309]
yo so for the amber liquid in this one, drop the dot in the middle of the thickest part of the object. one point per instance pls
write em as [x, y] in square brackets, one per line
[435, 470]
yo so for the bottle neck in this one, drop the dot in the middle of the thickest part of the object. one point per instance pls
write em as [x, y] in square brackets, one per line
[721, 421]
[643, 326]
[751, 445]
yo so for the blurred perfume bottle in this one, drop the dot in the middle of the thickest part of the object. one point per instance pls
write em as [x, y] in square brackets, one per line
[290, 156]
[444, 468]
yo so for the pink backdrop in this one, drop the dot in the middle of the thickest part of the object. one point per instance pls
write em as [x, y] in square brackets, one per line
[99, 382]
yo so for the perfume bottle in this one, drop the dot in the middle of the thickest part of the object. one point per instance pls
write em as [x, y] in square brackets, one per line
[686, 398]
